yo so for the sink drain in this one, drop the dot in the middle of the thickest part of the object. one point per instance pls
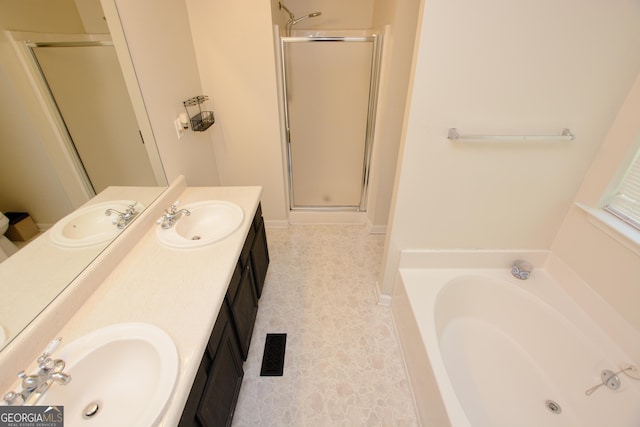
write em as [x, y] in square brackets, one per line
[91, 410]
[553, 406]
[196, 237]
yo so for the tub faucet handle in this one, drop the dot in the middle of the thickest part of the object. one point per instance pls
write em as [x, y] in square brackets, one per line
[521, 269]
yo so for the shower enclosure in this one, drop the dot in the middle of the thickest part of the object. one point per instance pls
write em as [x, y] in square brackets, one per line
[330, 85]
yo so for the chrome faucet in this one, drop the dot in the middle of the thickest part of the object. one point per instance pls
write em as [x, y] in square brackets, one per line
[171, 216]
[34, 386]
[521, 269]
[125, 217]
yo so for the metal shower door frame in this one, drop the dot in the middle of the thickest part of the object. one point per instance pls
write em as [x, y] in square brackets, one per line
[63, 131]
[376, 40]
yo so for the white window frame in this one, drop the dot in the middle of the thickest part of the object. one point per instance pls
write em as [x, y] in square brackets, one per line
[624, 203]
[607, 219]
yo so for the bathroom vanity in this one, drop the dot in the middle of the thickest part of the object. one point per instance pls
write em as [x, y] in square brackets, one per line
[215, 390]
[204, 298]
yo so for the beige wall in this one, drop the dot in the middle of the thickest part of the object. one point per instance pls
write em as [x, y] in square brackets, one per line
[237, 63]
[236, 56]
[609, 266]
[29, 181]
[506, 68]
[234, 45]
[402, 18]
[242, 87]
[162, 51]
[52, 16]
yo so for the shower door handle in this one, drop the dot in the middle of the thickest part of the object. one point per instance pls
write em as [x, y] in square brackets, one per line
[288, 130]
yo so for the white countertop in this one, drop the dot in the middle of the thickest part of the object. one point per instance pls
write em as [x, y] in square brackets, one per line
[178, 290]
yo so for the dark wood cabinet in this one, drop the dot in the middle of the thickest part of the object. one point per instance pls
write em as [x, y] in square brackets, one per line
[259, 257]
[220, 395]
[215, 390]
[189, 414]
[244, 306]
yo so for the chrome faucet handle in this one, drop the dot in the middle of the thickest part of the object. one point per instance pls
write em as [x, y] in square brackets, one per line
[123, 218]
[44, 361]
[30, 382]
[173, 208]
[10, 398]
[171, 215]
[35, 385]
[131, 208]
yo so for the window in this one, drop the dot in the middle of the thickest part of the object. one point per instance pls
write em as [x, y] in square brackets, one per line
[625, 202]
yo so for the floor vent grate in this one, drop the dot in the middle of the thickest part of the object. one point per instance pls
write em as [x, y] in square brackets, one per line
[273, 357]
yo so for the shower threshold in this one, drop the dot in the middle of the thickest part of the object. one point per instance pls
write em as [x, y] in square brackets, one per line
[324, 216]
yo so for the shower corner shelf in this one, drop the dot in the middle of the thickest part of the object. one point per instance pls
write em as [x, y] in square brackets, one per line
[202, 120]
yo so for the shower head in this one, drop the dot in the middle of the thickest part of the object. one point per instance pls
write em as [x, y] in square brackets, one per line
[311, 15]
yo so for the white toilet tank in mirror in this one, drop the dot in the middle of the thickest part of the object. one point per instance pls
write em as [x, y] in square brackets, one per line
[7, 248]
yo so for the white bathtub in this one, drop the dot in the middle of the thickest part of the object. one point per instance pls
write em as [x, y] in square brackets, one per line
[485, 349]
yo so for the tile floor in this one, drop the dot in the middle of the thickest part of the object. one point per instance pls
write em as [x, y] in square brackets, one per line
[343, 365]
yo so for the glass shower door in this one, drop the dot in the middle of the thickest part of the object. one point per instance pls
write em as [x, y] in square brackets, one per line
[87, 86]
[328, 86]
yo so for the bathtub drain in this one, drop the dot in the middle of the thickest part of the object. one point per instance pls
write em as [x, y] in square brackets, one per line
[553, 406]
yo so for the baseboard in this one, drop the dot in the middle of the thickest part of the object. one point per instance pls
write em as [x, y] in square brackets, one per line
[381, 298]
[376, 229]
[276, 224]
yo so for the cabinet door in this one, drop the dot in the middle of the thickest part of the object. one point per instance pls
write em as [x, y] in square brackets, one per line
[188, 418]
[221, 392]
[221, 329]
[244, 310]
[260, 258]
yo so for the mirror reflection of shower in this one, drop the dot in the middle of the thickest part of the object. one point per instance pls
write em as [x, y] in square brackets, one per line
[293, 20]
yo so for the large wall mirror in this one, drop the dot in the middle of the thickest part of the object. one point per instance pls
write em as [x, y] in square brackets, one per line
[66, 106]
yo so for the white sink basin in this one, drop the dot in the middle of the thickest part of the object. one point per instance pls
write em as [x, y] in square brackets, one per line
[90, 225]
[128, 370]
[210, 221]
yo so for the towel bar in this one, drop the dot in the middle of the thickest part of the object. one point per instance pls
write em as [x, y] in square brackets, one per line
[565, 135]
